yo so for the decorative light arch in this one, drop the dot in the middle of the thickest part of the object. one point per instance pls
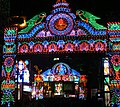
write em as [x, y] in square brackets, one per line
[24, 48]
[37, 48]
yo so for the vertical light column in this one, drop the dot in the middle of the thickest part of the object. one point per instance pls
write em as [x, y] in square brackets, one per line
[82, 88]
[115, 80]
[8, 66]
[106, 81]
[37, 88]
[114, 60]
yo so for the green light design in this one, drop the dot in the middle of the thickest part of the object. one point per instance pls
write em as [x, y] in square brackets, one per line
[107, 79]
[114, 26]
[4, 99]
[8, 69]
[114, 98]
[7, 98]
[116, 68]
[11, 32]
[33, 21]
[84, 15]
[11, 98]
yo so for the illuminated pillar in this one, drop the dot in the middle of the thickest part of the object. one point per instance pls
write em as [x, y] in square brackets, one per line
[114, 60]
[106, 81]
[8, 66]
[115, 77]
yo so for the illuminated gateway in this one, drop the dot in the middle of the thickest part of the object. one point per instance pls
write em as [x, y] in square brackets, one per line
[59, 54]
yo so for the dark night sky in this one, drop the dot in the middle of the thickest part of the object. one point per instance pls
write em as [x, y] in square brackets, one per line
[107, 10]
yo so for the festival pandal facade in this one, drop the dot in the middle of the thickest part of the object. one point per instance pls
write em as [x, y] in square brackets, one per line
[61, 32]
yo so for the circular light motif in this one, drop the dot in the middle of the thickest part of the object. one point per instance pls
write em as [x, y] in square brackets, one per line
[9, 61]
[115, 60]
[61, 24]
